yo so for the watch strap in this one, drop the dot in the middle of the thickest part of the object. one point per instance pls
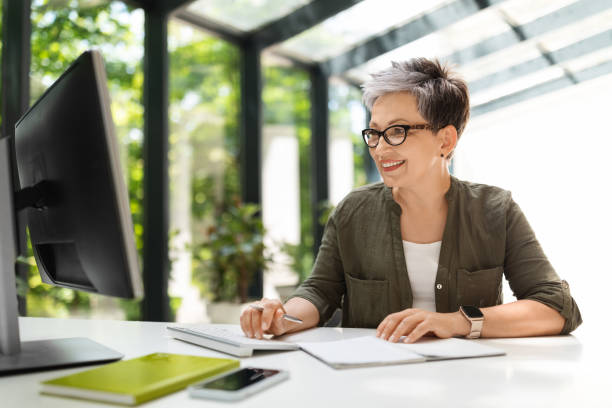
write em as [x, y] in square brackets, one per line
[475, 325]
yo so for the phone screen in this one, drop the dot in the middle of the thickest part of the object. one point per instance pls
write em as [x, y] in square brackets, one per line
[239, 379]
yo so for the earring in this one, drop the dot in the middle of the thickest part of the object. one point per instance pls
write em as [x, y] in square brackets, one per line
[442, 155]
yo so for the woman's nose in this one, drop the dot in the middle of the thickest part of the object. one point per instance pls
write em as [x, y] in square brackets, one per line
[382, 146]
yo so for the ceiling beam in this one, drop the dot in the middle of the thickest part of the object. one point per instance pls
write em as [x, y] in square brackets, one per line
[158, 5]
[543, 88]
[299, 20]
[173, 5]
[415, 29]
[223, 31]
[572, 51]
[559, 18]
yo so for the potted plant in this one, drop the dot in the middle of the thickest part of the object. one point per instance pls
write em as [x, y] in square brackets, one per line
[301, 258]
[226, 261]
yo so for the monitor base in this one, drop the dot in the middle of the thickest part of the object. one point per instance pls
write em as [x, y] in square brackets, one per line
[50, 354]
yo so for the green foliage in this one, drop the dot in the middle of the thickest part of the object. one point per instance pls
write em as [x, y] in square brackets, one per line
[286, 98]
[204, 108]
[233, 252]
[344, 101]
[61, 31]
[301, 256]
[46, 300]
[204, 103]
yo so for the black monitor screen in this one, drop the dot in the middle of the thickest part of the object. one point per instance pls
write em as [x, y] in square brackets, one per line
[83, 235]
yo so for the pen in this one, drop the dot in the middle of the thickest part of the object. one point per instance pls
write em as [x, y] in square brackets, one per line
[285, 316]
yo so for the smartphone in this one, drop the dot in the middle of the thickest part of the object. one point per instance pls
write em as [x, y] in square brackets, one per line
[237, 384]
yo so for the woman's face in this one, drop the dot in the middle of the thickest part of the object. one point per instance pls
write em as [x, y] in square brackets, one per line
[411, 162]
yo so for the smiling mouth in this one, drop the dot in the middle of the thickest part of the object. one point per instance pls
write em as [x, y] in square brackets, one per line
[389, 166]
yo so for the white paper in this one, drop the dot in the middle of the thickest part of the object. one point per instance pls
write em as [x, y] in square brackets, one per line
[436, 349]
[360, 351]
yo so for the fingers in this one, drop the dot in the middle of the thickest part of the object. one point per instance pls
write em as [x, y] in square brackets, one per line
[419, 331]
[381, 327]
[270, 309]
[255, 323]
[405, 327]
[396, 325]
[278, 326]
[246, 322]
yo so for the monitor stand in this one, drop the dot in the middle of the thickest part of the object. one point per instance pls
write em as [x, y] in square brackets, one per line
[17, 356]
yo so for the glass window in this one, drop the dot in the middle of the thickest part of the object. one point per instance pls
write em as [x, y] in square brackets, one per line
[204, 176]
[245, 15]
[593, 59]
[286, 162]
[573, 33]
[497, 61]
[442, 43]
[516, 85]
[61, 31]
[347, 28]
[524, 11]
[348, 154]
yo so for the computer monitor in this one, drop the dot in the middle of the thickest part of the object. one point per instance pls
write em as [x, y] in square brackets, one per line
[72, 188]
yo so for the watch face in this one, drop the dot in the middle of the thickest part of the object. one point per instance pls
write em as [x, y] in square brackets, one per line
[472, 312]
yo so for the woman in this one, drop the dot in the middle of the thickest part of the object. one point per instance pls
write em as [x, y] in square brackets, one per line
[423, 252]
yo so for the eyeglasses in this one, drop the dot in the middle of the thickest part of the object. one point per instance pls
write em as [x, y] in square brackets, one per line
[394, 135]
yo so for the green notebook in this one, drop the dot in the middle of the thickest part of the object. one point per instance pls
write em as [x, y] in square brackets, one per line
[135, 381]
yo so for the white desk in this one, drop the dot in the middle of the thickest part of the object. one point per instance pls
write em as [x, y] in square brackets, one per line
[565, 371]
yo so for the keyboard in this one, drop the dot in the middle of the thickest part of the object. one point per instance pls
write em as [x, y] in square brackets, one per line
[227, 338]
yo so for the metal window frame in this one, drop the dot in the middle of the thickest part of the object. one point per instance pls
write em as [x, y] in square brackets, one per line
[156, 264]
[413, 30]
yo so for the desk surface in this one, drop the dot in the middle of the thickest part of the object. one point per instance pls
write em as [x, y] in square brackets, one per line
[564, 371]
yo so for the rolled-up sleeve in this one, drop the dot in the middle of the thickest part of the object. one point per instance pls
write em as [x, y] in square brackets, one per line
[325, 286]
[530, 274]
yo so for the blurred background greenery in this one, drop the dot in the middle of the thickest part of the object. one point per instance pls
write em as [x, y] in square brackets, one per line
[204, 107]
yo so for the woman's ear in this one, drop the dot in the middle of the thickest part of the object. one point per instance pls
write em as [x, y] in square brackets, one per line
[448, 139]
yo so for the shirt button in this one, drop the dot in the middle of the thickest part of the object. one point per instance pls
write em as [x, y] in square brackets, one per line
[439, 286]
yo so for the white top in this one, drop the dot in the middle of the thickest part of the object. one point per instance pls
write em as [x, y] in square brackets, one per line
[422, 265]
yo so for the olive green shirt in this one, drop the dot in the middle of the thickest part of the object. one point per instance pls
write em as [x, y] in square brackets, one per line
[361, 267]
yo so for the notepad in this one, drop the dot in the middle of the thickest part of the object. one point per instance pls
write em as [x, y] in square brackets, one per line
[369, 351]
[360, 352]
[131, 382]
[446, 349]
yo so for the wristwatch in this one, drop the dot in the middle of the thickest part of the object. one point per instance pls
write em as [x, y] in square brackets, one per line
[476, 319]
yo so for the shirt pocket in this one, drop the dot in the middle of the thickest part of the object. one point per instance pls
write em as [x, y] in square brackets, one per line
[368, 301]
[480, 288]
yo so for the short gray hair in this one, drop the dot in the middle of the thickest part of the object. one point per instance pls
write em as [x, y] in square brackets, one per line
[442, 96]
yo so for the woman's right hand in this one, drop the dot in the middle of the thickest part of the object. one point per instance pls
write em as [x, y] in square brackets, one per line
[256, 323]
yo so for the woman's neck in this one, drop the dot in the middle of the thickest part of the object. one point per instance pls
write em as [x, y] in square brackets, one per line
[427, 196]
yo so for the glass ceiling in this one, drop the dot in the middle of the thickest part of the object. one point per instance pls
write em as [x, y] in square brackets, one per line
[244, 15]
[352, 26]
[515, 67]
[497, 54]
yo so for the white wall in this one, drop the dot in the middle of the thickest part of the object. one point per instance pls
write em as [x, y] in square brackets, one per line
[553, 153]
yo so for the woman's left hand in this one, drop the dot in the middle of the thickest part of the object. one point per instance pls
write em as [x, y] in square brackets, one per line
[416, 323]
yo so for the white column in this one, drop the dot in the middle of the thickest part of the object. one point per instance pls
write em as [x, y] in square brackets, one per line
[280, 201]
[341, 165]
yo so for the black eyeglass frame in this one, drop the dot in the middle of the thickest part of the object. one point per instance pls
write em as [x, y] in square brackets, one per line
[384, 133]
